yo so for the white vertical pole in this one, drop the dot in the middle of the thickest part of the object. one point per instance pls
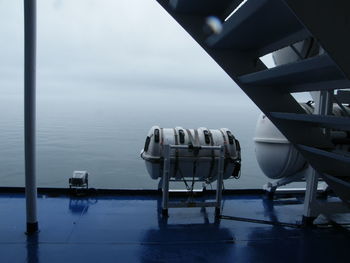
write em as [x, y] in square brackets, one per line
[219, 181]
[310, 195]
[29, 113]
[166, 178]
[323, 106]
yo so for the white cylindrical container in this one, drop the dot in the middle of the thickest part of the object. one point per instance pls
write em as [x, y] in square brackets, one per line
[191, 163]
[276, 156]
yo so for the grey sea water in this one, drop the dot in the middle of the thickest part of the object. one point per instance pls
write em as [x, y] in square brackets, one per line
[102, 130]
[108, 71]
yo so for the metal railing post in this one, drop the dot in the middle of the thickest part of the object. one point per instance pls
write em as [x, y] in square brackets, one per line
[166, 178]
[323, 106]
[220, 181]
[29, 113]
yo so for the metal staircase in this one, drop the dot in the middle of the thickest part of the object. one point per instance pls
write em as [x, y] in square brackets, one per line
[255, 28]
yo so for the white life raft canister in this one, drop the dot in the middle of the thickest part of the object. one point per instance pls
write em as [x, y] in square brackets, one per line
[199, 164]
[276, 156]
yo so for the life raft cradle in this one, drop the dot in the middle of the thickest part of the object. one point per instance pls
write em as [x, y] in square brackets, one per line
[166, 179]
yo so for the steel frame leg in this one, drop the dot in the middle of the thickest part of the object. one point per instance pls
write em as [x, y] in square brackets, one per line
[166, 175]
[219, 182]
[323, 106]
[310, 201]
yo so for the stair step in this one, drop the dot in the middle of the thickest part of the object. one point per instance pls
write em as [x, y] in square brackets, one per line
[304, 72]
[318, 86]
[260, 25]
[340, 187]
[341, 123]
[330, 155]
[203, 7]
[328, 21]
[326, 162]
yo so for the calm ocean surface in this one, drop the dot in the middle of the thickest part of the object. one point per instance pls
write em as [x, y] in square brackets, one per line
[108, 71]
[102, 130]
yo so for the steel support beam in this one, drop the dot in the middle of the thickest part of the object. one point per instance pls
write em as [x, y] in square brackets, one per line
[29, 113]
[310, 196]
[166, 177]
[220, 180]
[323, 106]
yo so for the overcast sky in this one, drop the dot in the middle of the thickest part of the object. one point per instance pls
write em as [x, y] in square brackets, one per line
[132, 42]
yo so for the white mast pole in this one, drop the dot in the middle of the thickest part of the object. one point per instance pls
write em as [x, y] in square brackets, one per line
[29, 113]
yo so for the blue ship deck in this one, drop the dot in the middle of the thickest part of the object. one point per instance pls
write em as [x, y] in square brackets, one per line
[128, 228]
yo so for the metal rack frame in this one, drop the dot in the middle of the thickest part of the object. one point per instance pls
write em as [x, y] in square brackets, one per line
[166, 179]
